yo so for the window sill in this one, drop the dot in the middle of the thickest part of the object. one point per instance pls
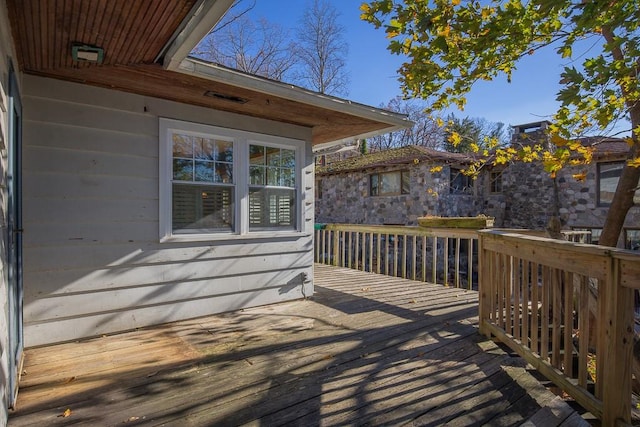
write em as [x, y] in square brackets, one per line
[261, 235]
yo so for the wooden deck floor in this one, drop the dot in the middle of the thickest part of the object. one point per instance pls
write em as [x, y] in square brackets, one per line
[365, 350]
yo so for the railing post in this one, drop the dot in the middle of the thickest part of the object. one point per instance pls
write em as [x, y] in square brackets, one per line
[618, 332]
[336, 247]
[484, 286]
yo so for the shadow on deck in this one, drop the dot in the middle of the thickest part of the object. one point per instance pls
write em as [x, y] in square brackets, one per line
[365, 350]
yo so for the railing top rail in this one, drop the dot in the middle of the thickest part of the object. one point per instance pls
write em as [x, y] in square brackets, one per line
[580, 258]
[463, 233]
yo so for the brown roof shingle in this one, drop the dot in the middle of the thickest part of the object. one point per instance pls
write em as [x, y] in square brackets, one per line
[394, 156]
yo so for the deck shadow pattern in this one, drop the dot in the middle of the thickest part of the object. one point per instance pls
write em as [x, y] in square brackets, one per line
[365, 350]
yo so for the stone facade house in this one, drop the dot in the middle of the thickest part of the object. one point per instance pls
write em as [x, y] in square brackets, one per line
[420, 182]
[396, 187]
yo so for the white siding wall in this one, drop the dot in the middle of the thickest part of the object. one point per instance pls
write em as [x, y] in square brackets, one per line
[93, 263]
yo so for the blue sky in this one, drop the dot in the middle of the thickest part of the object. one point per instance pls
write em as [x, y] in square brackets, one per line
[528, 98]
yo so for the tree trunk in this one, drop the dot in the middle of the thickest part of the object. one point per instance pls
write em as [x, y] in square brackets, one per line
[621, 203]
[627, 185]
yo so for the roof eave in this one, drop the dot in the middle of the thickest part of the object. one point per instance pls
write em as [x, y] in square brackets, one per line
[202, 18]
[393, 121]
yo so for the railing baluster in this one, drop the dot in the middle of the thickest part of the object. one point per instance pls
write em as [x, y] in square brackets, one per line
[395, 255]
[535, 306]
[378, 259]
[356, 251]
[583, 332]
[515, 279]
[403, 257]
[371, 252]
[424, 258]
[568, 324]
[457, 263]
[434, 263]
[414, 258]
[470, 264]
[544, 313]
[525, 303]
[557, 317]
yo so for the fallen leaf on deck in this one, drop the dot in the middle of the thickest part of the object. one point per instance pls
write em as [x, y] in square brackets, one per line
[66, 413]
[152, 374]
[365, 289]
[70, 380]
[328, 356]
[413, 301]
[132, 419]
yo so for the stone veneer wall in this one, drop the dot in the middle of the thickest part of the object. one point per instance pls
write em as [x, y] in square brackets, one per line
[345, 198]
[526, 200]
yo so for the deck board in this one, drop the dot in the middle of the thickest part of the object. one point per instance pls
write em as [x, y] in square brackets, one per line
[364, 350]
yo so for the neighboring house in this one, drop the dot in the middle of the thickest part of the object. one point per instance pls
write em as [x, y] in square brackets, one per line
[141, 186]
[397, 186]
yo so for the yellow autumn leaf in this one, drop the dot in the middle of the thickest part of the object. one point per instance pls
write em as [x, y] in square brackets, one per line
[439, 122]
[416, 161]
[629, 141]
[455, 2]
[581, 177]
[66, 413]
[635, 162]
[559, 141]
[455, 138]
[435, 169]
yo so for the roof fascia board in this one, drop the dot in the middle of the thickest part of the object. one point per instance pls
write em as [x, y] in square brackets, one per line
[204, 16]
[209, 71]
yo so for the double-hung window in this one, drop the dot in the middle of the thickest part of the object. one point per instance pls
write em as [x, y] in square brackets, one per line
[217, 182]
[272, 187]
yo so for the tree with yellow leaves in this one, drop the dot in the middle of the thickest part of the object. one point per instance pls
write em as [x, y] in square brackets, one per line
[451, 44]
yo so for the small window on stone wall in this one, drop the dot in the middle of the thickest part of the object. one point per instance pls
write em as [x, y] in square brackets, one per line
[495, 184]
[608, 177]
[389, 183]
[459, 183]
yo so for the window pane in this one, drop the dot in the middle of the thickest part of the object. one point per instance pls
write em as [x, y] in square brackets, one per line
[406, 180]
[224, 151]
[203, 148]
[390, 183]
[609, 176]
[273, 156]
[288, 177]
[288, 158]
[271, 208]
[182, 170]
[182, 146]
[202, 208]
[256, 155]
[256, 175]
[224, 173]
[203, 171]
[273, 176]
[374, 190]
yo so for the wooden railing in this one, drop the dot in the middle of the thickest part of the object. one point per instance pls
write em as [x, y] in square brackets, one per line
[439, 255]
[567, 308]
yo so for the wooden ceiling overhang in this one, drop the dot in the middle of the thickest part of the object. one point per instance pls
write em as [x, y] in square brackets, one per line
[142, 43]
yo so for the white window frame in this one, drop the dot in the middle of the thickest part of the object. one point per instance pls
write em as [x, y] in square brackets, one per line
[241, 141]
